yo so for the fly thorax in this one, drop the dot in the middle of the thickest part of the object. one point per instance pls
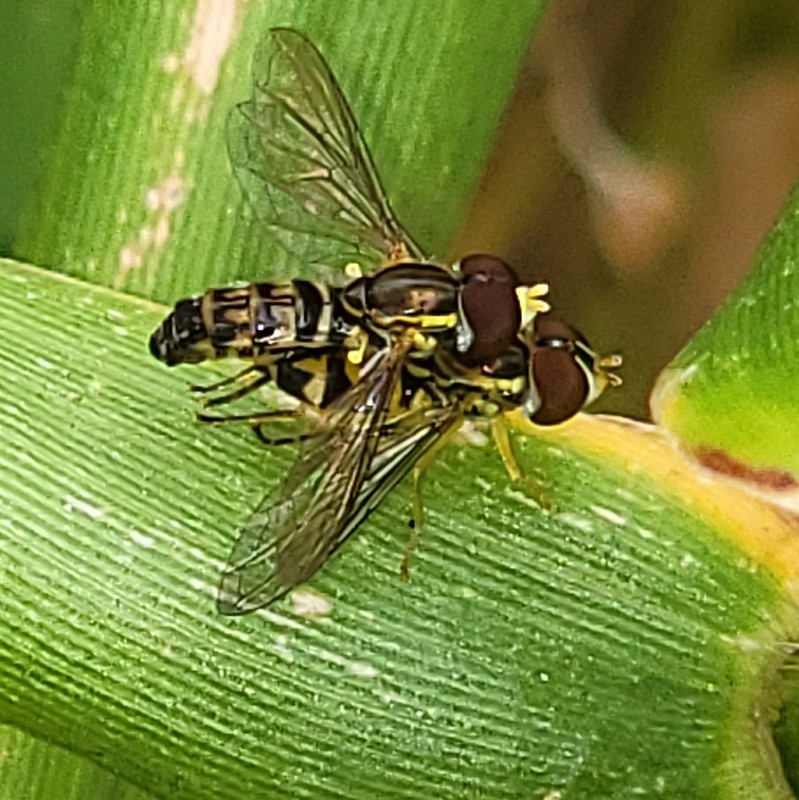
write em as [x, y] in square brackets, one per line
[423, 296]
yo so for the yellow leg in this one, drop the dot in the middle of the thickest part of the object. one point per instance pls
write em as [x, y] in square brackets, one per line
[499, 430]
[417, 519]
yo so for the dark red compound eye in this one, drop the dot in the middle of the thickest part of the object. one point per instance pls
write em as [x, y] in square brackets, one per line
[562, 385]
[489, 305]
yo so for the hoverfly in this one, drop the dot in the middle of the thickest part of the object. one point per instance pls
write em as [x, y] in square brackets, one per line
[306, 172]
[377, 430]
[394, 360]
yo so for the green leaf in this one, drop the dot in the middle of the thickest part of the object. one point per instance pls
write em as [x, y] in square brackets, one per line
[731, 395]
[621, 641]
[35, 770]
[625, 643]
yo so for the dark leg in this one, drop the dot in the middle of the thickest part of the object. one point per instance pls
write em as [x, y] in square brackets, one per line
[257, 420]
[215, 387]
[237, 394]
[251, 419]
[278, 441]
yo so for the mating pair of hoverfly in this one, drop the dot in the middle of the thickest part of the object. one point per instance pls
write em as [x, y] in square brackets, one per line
[392, 361]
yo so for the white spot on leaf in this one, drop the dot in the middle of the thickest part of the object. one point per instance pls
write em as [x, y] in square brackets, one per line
[72, 504]
[282, 650]
[305, 602]
[575, 521]
[161, 201]
[212, 31]
[361, 669]
[141, 539]
[609, 515]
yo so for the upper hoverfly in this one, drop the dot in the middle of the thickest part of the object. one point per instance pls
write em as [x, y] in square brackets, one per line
[393, 359]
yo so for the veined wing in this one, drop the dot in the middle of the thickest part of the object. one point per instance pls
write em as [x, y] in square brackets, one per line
[302, 163]
[400, 449]
[290, 536]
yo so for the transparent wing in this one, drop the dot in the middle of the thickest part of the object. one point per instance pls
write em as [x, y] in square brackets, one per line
[303, 165]
[290, 536]
[400, 449]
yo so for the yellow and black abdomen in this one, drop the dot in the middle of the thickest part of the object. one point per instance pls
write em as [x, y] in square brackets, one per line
[255, 322]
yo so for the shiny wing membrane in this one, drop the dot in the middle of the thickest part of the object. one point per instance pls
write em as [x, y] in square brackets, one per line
[290, 536]
[401, 447]
[303, 165]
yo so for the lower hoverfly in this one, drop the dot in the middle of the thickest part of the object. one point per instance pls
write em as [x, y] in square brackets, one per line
[393, 360]
[377, 425]
[378, 429]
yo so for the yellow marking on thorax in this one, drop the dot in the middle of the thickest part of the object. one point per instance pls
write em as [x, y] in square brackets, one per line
[356, 344]
[422, 342]
[417, 370]
[353, 270]
[435, 320]
[511, 385]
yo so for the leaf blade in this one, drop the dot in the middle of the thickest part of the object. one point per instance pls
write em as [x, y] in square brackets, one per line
[117, 530]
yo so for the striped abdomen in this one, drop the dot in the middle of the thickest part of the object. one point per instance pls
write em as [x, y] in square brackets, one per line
[252, 322]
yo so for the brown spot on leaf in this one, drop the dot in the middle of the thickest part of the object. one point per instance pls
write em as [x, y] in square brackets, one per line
[765, 477]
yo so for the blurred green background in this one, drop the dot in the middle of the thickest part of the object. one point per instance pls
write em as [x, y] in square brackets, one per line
[646, 150]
